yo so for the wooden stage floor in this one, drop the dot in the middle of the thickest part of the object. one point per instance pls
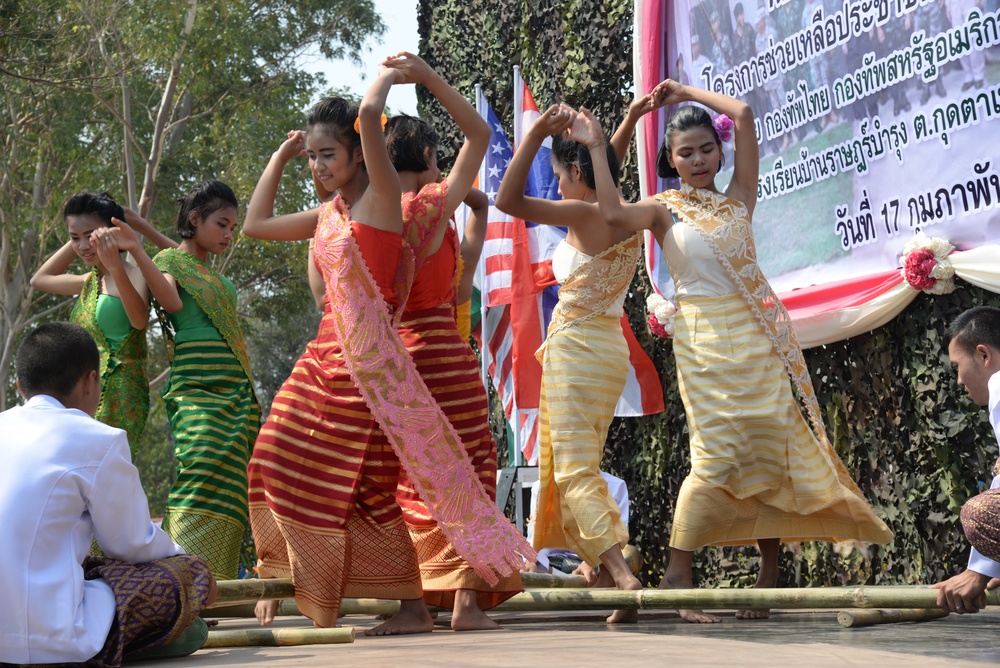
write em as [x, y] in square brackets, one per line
[794, 639]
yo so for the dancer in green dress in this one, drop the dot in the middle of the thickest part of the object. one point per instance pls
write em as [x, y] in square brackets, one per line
[210, 400]
[113, 306]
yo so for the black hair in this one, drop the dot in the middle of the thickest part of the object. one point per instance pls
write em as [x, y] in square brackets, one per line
[684, 119]
[54, 357]
[335, 117]
[980, 325]
[738, 9]
[568, 152]
[99, 205]
[408, 139]
[205, 198]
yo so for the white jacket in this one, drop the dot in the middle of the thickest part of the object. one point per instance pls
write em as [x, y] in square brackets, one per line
[64, 478]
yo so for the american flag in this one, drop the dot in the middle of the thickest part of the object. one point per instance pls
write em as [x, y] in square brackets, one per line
[498, 295]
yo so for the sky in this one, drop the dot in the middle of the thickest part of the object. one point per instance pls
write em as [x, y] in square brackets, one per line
[400, 18]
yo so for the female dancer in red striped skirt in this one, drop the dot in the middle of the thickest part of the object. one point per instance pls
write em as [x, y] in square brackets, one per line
[430, 332]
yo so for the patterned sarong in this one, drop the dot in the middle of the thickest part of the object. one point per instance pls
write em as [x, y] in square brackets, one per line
[981, 520]
[155, 602]
[124, 385]
[214, 417]
[323, 491]
[772, 475]
[450, 371]
[584, 370]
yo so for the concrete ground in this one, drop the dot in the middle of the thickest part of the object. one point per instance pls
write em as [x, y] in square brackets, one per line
[788, 640]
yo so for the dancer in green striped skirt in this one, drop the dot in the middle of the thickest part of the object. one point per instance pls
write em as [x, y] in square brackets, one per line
[210, 400]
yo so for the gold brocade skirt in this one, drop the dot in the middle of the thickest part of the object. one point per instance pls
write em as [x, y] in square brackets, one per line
[757, 469]
[584, 370]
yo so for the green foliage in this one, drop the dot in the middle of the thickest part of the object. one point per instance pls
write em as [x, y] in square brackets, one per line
[910, 438]
[83, 86]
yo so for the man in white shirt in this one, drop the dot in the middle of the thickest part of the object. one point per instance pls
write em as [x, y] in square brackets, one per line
[973, 341]
[65, 479]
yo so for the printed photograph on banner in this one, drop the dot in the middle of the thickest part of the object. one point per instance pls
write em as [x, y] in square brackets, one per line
[875, 120]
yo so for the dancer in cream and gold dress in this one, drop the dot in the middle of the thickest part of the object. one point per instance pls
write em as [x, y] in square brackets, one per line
[585, 355]
[760, 472]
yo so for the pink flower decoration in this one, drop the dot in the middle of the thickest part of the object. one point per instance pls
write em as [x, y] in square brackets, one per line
[656, 328]
[724, 126]
[918, 267]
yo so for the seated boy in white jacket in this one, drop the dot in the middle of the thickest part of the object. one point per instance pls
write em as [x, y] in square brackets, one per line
[65, 479]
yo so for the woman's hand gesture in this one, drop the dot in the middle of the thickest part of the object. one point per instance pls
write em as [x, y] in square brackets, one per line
[670, 92]
[553, 121]
[292, 147]
[586, 129]
[412, 67]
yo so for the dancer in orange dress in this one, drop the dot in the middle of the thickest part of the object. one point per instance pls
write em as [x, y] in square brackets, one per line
[325, 468]
[430, 331]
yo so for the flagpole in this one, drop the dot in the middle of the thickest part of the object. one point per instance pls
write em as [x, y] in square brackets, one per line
[518, 105]
[516, 413]
[639, 88]
[481, 266]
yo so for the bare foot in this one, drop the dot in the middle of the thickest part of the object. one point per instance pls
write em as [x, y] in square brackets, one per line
[265, 611]
[467, 616]
[626, 616]
[670, 581]
[411, 618]
[604, 579]
[770, 581]
[753, 614]
[768, 576]
[382, 616]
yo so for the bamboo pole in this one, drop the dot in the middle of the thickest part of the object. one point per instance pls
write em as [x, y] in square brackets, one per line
[252, 590]
[746, 599]
[656, 599]
[278, 637]
[348, 606]
[550, 581]
[285, 609]
[233, 592]
[853, 619]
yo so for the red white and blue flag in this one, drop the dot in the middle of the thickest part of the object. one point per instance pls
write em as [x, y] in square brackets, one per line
[497, 289]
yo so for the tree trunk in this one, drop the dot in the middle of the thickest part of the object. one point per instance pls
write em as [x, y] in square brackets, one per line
[163, 115]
